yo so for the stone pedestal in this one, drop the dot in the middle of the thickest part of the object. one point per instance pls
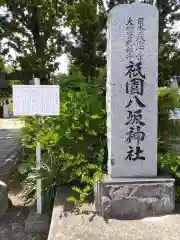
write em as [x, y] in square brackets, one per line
[133, 198]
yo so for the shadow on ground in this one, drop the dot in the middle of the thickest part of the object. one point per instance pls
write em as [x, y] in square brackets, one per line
[83, 223]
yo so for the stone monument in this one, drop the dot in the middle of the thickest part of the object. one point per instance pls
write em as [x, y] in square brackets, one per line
[132, 188]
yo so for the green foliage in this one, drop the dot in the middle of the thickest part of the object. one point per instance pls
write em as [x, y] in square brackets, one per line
[88, 181]
[112, 3]
[168, 39]
[14, 82]
[87, 25]
[168, 100]
[2, 67]
[170, 165]
[177, 193]
[32, 29]
[52, 174]
[72, 144]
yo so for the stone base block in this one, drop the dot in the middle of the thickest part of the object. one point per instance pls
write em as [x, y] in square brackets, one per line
[133, 198]
[37, 223]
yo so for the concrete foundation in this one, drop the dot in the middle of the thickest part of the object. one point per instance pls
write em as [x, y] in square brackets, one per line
[133, 198]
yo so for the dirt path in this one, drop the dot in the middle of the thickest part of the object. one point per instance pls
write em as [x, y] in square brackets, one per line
[12, 224]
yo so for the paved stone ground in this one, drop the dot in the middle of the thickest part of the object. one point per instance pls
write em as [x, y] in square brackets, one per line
[9, 142]
[12, 224]
[85, 224]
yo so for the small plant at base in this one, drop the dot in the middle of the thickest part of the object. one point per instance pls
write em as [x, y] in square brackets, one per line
[38, 236]
[171, 166]
[89, 182]
[177, 191]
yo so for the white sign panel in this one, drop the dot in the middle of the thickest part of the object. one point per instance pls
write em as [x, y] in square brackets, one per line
[132, 56]
[41, 100]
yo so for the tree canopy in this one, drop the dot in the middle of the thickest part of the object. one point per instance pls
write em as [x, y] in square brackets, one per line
[33, 29]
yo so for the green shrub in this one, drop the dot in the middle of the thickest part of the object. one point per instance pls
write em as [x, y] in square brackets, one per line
[168, 100]
[170, 165]
[73, 144]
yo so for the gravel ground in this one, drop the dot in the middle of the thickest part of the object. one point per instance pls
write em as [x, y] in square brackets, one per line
[12, 224]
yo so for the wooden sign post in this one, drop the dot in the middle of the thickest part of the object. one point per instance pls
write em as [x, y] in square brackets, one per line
[38, 160]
